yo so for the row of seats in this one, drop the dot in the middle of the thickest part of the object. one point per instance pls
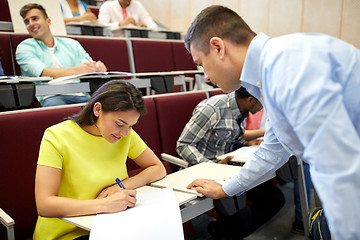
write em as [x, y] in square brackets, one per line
[22, 130]
[118, 54]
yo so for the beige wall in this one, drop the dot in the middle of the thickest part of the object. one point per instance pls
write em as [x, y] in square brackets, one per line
[339, 18]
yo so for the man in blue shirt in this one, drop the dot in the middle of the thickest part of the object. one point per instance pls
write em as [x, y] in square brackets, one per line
[46, 55]
[309, 86]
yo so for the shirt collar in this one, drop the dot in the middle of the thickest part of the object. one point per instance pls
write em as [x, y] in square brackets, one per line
[42, 45]
[251, 74]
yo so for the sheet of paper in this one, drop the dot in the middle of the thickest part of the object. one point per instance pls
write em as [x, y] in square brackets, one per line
[240, 155]
[181, 179]
[72, 78]
[156, 215]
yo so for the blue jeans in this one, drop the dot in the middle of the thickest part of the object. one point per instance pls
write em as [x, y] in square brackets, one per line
[308, 184]
[63, 100]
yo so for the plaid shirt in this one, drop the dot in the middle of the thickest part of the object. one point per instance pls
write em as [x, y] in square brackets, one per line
[212, 130]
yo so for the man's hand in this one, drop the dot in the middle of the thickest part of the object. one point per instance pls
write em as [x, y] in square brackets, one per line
[208, 187]
[127, 21]
[226, 160]
[90, 67]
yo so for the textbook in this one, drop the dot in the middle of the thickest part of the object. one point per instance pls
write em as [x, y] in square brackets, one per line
[240, 155]
[15, 78]
[73, 78]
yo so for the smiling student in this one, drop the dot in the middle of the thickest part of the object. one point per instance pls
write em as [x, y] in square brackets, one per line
[46, 55]
[81, 157]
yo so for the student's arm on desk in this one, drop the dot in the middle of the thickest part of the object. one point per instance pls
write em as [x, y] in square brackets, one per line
[153, 170]
[208, 188]
[49, 204]
[254, 134]
[86, 67]
[87, 16]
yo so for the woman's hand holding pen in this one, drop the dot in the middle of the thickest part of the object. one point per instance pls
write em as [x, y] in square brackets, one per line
[117, 199]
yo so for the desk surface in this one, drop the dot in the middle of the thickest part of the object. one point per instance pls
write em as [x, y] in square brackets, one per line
[208, 170]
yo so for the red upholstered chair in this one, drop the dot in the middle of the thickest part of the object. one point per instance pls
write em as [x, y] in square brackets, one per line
[112, 52]
[148, 129]
[20, 137]
[4, 11]
[6, 59]
[182, 58]
[16, 39]
[216, 91]
[153, 56]
[173, 112]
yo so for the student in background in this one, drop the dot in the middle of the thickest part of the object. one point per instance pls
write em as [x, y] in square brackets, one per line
[217, 127]
[46, 55]
[309, 86]
[76, 11]
[125, 13]
[80, 159]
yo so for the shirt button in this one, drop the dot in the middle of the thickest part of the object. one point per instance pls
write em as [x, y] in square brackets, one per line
[261, 98]
[257, 83]
[285, 147]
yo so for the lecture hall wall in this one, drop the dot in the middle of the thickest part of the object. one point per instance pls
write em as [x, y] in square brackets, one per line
[339, 18]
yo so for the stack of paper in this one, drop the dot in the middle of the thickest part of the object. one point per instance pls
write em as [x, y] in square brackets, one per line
[240, 155]
[156, 215]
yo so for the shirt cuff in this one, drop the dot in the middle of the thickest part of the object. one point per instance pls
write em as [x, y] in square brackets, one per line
[232, 187]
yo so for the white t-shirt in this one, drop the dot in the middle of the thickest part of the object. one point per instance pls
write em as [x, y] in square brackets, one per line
[111, 12]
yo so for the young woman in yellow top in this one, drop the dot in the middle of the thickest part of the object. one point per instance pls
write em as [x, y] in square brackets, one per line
[80, 159]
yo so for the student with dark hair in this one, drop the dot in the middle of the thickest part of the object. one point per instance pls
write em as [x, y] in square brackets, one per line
[309, 86]
[217, 127]
[46, 55]
[80, 159]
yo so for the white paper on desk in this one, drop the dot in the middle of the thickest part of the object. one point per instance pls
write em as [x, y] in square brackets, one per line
[156, 215]
[73, 78]
[240, 155]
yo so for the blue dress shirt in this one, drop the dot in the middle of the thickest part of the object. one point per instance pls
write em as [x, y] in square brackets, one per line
[309, 85]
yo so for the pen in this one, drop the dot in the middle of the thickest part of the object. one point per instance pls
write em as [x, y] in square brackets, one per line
[119, 183]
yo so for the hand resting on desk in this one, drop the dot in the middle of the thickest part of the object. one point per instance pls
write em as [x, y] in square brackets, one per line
[118, 200]
[208, 188]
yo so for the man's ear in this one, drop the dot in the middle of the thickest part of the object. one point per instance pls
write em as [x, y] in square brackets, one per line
[218, 44]
[48, 20]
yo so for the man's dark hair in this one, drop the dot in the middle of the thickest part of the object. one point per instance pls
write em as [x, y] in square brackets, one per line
[26, 8]
[217, 21]
[242, 93]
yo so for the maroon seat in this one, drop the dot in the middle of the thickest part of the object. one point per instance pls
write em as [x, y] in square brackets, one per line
[215, 92]
[112, 52]
[4, 11]
[16, 39]
[148, 129]
[20, 137]
[6, 59]
[173, 112]
[152, 56]
[182, 58]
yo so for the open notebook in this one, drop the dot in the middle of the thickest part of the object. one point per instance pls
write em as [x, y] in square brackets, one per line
[72, 78]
